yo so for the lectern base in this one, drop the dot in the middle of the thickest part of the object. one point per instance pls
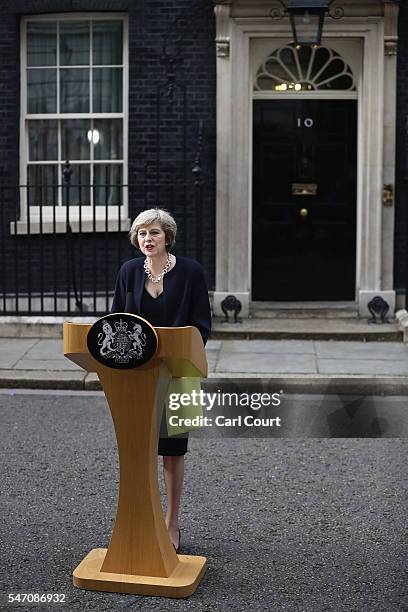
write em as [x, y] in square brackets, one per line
[181, 583]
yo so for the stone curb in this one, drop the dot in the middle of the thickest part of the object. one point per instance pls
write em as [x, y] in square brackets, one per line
[310, 384]
[391, 336]
[36, 379]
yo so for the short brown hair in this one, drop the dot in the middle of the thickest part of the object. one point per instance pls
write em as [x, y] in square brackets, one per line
[147, 217]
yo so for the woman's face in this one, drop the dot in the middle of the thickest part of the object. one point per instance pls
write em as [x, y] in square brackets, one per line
[152, 240]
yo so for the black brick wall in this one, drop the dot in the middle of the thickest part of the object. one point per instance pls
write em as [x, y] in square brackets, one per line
[159, 167]
[401, 204]
[150, 21]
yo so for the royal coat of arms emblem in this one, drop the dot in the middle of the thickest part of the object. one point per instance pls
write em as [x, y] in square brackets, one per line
[122, 341]
[123, 344]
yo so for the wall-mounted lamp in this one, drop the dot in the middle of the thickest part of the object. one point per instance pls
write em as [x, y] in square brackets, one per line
[307, 18]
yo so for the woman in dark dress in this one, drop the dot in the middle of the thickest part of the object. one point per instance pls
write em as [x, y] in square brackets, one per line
[168, 292]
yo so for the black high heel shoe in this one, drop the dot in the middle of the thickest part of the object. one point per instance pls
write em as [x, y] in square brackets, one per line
[179, 544]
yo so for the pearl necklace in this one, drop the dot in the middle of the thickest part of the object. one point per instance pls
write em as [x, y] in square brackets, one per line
[157, 279]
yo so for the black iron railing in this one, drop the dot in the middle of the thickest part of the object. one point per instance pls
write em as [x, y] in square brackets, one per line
[60, 259]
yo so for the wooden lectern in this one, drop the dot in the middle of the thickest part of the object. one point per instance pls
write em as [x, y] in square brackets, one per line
[140, 558]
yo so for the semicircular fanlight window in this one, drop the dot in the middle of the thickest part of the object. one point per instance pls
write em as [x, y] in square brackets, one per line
[304, 69]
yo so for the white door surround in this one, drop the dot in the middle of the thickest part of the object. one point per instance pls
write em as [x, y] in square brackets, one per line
[244, 32]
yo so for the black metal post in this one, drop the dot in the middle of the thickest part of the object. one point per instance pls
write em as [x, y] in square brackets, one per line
[66, 175]
[198, 184]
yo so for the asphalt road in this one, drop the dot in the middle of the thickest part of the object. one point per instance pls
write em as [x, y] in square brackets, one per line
[296, 525]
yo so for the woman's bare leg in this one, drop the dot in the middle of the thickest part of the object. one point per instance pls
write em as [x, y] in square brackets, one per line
[173, 469]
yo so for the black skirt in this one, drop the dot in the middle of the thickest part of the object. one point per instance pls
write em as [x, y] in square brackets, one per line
[172, 447]
[154, 311]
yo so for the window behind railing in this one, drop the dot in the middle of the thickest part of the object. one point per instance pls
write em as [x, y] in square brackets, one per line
[74, 107]
[66, 268]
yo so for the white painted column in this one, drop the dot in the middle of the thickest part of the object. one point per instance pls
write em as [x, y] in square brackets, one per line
[232, 222]
[376, 230]
[223, 104]
[391, 11]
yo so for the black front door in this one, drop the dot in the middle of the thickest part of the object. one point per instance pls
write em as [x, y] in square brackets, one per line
[304, 200]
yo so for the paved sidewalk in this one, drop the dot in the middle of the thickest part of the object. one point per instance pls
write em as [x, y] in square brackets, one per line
[305, 364]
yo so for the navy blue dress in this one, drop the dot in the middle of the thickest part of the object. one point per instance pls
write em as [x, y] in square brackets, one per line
[183, 301]
[185, 294]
